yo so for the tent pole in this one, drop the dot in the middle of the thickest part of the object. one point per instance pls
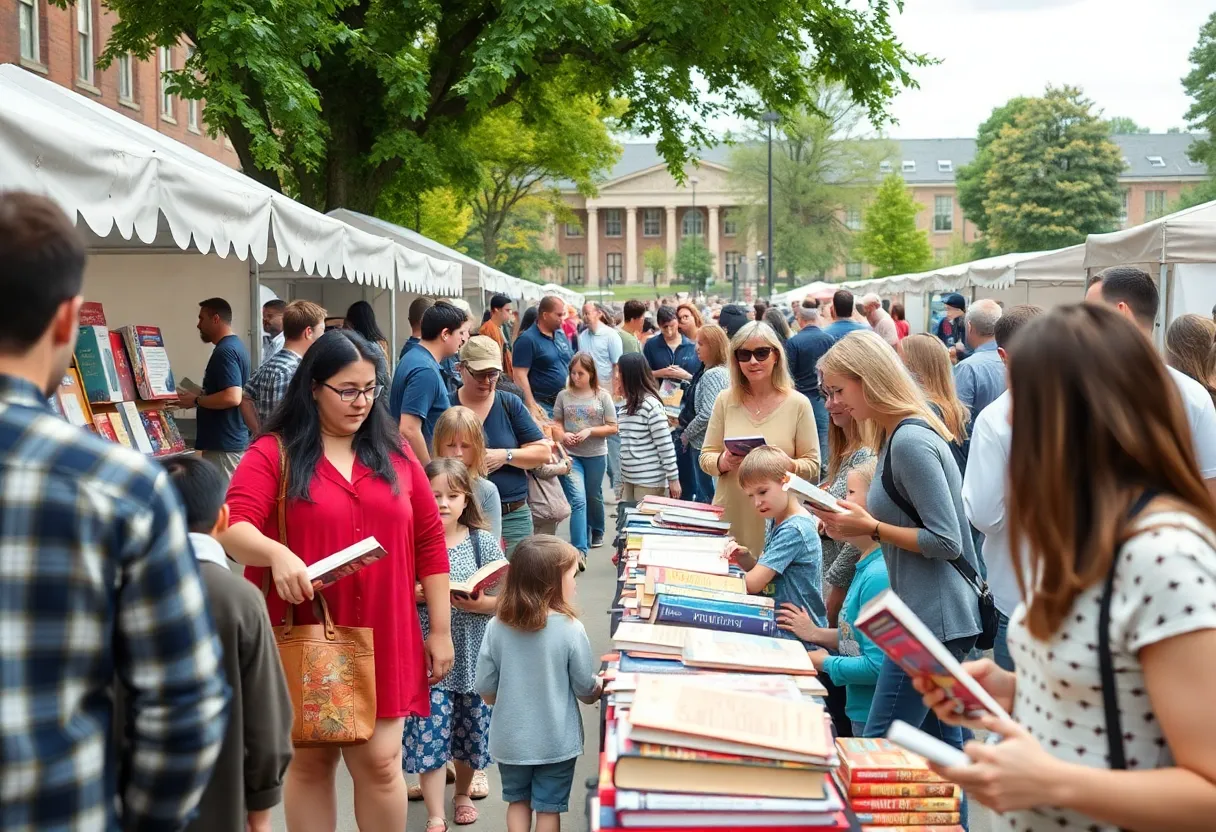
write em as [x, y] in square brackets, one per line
[255, 312]
[1165, 283]
[392, 326]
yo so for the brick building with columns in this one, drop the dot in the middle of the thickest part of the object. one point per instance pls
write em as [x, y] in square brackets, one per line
[639, 206]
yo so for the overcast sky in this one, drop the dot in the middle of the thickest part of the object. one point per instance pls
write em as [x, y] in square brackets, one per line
[1127, 55]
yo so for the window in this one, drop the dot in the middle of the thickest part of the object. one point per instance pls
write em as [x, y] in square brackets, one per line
[945, 166]
[1126, 201]
[574, 269]
[126, 78]
[730, 225]
[1156, 162]
[943, 213]
[616, 268]
[573, 230]
[909, 167]
[192, 104]
[694, 223]
[852, 219]
[1154, 205]
[166, 100]
[612, 222]
[84, 40]
[730, 265]
[884, 167]
[852, 270]
[652, 222]
[27, 29]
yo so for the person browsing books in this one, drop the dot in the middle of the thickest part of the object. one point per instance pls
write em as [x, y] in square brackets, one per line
[348, 478]
[792, 561]
[459, 434]
[761, 400]
[865, 375]
[302, 323]
[854, 660]
[1113, 531]
[248, 779]
[535, 662]
[420, 395]
[222, 436]
[712, 349]
[584, 416]
[456, 727]
[645, 435]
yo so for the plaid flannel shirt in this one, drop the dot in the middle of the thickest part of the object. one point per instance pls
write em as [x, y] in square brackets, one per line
[97, 583]
[268, 384]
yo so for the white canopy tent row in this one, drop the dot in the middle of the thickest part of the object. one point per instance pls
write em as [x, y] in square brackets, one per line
[168, 226]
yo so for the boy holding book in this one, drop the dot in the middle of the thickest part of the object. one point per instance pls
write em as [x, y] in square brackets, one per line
[257, 747]
[792, 560]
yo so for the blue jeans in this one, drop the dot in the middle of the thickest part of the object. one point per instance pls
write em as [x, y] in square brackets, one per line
[895, 698]
[578, 510]
[587, 477]
[1000, 648]
[705, 482]
[821, 427]
[516, 526]
[684, 465]
[614, 459]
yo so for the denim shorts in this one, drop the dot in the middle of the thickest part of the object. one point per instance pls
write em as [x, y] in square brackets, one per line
[546, 787]
[457, 729]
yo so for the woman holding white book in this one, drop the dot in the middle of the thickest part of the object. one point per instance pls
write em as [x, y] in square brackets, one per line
[1112, 527]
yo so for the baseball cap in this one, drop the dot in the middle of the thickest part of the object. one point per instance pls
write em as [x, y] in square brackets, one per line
[956, 300]
[732, 318]
[480, 353]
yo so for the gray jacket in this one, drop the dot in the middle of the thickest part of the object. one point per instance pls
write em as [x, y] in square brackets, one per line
[927, 476]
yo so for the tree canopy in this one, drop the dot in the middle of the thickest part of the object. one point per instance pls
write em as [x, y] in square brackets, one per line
[336, 100]
[969, 179]
[694, 263]
[1200, 85]
[1124, 126]
[889, 240]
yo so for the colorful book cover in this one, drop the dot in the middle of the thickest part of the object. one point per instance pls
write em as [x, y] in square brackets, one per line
[884, 819]
[91, 314]
[102, 423]
[150, 362]
[135, 427]
[176, 442]
[120, 429]
[726, 622]
[713, 595]
[864, 790]
[156, 432]
[95, 358]
[126, 381]
[718, 605]
[879, 760]
[905, 804]
[71, 400]
[746, 653]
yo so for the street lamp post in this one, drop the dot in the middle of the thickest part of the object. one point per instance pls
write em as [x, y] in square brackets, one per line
[770, 118]
[692, 180]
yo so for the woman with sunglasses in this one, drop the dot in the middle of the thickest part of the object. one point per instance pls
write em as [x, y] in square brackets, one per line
[760, 401]
[514, 442]
[348, 478]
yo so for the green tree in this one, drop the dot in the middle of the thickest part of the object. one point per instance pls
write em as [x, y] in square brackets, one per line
[694, 263]
[520, 247]
[823, 167]
[889, 240]
[335, 100]
[1124, 126]
[440, 213]
[1200, 85]
[1054, 176]
[969, 179]
[654, 259]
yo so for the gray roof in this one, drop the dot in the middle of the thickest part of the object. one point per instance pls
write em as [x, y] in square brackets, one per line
[925, 161]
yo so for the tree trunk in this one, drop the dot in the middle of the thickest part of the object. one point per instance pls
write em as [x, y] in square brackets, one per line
[489, 242]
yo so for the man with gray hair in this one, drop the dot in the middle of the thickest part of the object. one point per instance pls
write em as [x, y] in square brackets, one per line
[980, 378]
[880, 320]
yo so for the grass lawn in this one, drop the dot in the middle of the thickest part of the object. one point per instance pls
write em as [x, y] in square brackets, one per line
[644, 291]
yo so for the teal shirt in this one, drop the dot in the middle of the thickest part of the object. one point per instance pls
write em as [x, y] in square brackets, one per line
[857, 665]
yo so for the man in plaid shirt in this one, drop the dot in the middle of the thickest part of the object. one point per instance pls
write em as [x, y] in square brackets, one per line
[98, 584]
[303, 323]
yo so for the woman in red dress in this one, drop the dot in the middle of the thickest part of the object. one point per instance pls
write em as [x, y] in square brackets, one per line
[349, 478]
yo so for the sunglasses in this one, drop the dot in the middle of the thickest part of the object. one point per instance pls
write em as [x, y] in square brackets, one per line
[484, 376]
[761, 354]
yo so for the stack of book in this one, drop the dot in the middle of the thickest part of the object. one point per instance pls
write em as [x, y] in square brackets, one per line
[675, 518]
[891, 789]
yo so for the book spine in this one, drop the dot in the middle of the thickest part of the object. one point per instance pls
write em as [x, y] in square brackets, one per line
[903, 790]
[676, 614]
[122, 363]
[908, 818]
[905, 804]
[713, 595]
[724, 607]
[901, 775]
[696, 580]
[104, 428]
[658, 802]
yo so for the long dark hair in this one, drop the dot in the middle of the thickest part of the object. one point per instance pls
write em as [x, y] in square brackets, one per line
[362, 319]
[774, 318]
[636, 381]
[528, 319]
[296, 419]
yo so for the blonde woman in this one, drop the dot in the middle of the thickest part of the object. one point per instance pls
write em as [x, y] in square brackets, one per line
[760, 401]
[865, 376]
[459, 434]
[928, 360]
[1189, 343]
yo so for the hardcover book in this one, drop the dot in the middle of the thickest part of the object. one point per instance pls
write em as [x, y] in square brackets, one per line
[487, 577]
[650, 638]
[101, 423]
[72, 401]
[345, 562]
[652, 504]
[120, 429]
[176, 442]
[150, 362]
[905, 804]
[713, 595]
[715, 615]
[887, 819]
[882, 761]
[126, 381]
[657, 575]
[135, 427]
[912, 790]
[811, 493]
[156, 432]
[742, 445]
[696, 561]
[745, 652]
[95, 358]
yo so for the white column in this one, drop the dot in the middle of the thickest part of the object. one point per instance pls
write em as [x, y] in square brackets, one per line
[712, 233]
[592, 273]
[631, 245]
[671, 242]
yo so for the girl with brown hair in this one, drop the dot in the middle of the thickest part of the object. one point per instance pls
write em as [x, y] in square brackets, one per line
[1111, 525]
[1189, 349]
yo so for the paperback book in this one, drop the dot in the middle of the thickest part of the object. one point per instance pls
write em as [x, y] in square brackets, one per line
[743, 445]
[811, 493]
[149, 362]
[715, 615]
[746, 653]
[95, 358]
[485, 578]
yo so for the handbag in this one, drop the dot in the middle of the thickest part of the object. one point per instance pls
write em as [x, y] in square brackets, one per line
[546, 497]
[990, 617]
[330, 670]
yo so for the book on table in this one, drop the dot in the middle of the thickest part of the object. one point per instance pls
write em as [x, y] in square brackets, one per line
[713, 564]
[880, 761]
[704, 525]
[747, 653]
[656, 575]
[905, 639]
[708, 544]
[649, 638]
[811, 493]
[485, 578]
[714, 615]
[651, 504]
[345, 562]
[743, 445]
[709, 595]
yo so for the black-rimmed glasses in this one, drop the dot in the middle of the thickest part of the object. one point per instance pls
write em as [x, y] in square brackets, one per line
[350, 394]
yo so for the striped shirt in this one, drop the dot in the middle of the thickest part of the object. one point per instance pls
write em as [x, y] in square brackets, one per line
[645, 441]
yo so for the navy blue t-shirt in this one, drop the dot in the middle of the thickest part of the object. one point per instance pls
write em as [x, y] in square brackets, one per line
[547, 361]
[224, 430]
[659, 355]
[803, 352]
[509, 425]
[419, 390]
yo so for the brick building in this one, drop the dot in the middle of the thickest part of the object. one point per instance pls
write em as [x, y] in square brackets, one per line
[640, 206]
[63, 44]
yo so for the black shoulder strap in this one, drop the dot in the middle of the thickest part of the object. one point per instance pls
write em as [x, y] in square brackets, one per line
[1106, 660]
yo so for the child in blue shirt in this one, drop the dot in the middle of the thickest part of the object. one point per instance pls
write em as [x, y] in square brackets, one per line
[855, 660]
[792, 560]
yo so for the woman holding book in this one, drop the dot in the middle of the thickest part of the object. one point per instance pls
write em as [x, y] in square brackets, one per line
[1112, 526]
[348, 478]
[760, 401]
[915, 512]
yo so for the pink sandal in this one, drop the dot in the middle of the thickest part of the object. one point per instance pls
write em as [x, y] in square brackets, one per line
[463, 813]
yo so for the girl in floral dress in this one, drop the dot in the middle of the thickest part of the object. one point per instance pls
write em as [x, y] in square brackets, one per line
[458, 725]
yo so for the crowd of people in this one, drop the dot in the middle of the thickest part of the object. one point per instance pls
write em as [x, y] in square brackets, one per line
[1074, 533]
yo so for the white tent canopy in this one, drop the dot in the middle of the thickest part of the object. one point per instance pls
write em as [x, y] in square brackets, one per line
[818, 288]
[1049, 268]
[570, 296]
[1187, 236]
[121, 176]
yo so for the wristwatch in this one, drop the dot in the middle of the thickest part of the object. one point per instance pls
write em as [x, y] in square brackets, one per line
[510, 456]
